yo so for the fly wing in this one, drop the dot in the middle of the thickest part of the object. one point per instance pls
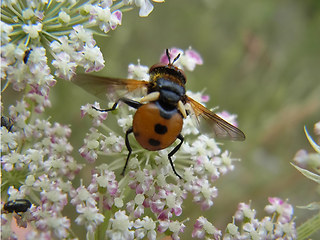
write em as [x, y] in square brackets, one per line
[221, 128]
[106, 86]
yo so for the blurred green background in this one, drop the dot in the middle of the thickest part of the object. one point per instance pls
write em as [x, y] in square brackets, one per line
[261, 61]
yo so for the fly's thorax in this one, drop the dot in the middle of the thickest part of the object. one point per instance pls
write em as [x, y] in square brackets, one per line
[170, 91]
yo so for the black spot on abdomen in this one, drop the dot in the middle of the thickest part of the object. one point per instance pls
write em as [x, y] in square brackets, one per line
[154, 142]
[160, 129]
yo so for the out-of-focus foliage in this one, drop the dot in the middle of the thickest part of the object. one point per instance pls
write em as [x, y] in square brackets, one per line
[261, 61]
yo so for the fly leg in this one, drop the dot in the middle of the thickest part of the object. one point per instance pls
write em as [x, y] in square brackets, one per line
[130, 130]
[127, 101]
[133, 104]
[180, 137]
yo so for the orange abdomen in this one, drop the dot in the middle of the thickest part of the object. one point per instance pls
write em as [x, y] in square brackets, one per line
[155, 128]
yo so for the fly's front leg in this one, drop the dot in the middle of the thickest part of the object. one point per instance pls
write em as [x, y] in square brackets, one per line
[127, 101]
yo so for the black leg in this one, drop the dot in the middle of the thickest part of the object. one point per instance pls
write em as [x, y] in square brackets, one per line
[130, 130]
[133, 104]
[127, 101]
[180, 137]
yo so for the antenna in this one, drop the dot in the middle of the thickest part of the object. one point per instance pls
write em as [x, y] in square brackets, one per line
[169, 58]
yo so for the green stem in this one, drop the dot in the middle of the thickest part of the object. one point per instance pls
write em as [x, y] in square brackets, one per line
[117, 6]
[17, 39]
[7, 19]
[22, 5]
[5, 85]
[15, 12]
[18, 6]
[99, 232]
[76, 20]
[309, 227]
[53, 37]
[17, 32]
[54, 11]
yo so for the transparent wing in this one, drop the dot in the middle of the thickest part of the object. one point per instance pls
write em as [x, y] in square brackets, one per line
[220, 127]
[106, 86]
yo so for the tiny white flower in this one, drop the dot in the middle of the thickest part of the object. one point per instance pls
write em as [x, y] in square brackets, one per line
[65, 68]
[232, 229]
[118, 202]
[64, 17]
[94, 59]
[139, 199]
[32, 29]
[27, 13]
[138, 71]
[89, 217]
[30, 180]
[145, 228]
[145, 7]
[5, 29]
[120, 227]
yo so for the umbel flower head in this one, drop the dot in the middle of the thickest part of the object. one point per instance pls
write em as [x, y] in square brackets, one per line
[154, 187]
[245, 225]
[147, 203]
[149, 200]
[62, 30]
[36, 155]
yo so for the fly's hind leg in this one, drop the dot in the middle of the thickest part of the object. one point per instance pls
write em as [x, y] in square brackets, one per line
[180, 137]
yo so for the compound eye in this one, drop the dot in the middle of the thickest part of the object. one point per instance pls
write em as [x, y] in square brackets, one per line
[157, 65]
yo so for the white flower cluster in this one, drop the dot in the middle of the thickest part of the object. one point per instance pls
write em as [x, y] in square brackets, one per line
[280, 226]
[36, 155]
[246, 226]
[37, 165]
[64, 28]
[149, 176]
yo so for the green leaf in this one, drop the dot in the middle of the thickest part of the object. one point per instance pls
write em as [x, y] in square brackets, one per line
[312, 176]
[315, 146]
[311, 206]
[309, 227]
